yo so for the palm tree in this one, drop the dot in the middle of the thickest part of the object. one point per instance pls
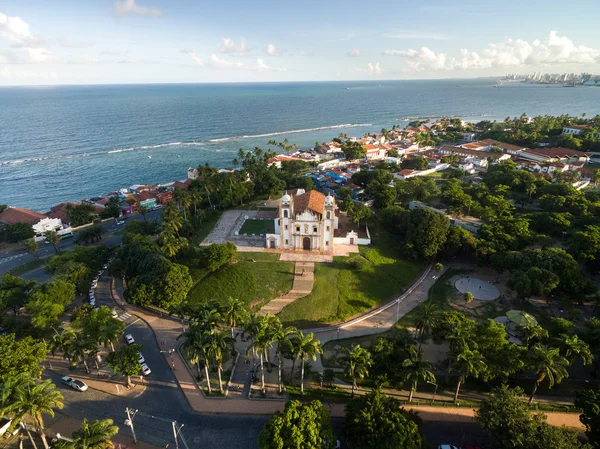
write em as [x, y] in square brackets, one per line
[95, 435]
[571, 347]
[61, 342]
[170, 243]
[53, 238]
[209, 318]
[308, 348]
[414, 369]
[142, 211]
[358, 361]
[196, 199]
[196, 346]
[183, 200]
[261, 345]
[35, 400]
[218, 342]
[533, 333]
[109, 333]
[547, 363]
[233, 313]
[468, 363]
[252, 326]
[79, 349]
[427, 317]
[282, 336]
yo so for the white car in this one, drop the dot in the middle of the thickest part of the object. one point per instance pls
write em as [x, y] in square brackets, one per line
[146, 369]
[158, 206]
[91, 292]
[74, 383]
[141, 358]
[100, 273]
[92, 302]
[105, 266]
[129, 339]
[114, 313]
[94, 284]
[120, 222]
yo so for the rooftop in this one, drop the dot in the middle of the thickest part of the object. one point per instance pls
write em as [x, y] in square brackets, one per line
[12, 215]
[313, 201]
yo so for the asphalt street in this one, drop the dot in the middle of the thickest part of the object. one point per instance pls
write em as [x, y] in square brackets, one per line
[10, 260]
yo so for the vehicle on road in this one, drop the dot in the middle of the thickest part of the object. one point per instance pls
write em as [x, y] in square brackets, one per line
[120, 222]
[105, 266]
[100, 273]
[158, 206]
[93, 302]
[94, 284]
[141, 358]
[74, 383]
[114, 313]
[146, 369]
[91, 292]
[129, 339]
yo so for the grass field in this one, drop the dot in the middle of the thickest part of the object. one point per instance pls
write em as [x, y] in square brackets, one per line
[251, 226]
[209, 222]
[253, 283]
[27, 266]
[342, 290]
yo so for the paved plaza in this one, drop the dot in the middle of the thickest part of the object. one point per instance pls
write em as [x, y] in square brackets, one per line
[482, 290]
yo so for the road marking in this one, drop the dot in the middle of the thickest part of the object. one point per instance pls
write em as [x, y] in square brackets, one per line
[131, 324]
[126, 315]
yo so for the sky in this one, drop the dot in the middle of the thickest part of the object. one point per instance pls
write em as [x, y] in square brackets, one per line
[47, 42]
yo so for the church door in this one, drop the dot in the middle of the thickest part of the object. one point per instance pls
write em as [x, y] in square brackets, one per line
[352, 240]
[272, 243]
[306, 243]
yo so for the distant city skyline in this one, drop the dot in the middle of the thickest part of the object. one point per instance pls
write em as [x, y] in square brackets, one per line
[184, 41]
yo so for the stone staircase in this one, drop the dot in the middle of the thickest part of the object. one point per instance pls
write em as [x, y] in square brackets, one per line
[304, 279]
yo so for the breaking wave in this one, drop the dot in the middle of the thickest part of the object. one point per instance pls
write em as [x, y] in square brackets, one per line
[294, 131]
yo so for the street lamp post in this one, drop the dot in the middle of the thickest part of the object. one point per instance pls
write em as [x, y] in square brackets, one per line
[434, 390]
[129, 422]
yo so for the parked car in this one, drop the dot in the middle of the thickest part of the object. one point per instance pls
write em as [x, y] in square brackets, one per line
[94, 284]
[141, 358]
[146, 369]
[100, 273]
[120, 222]
[91, 292]
[105, 266]
[74, 383]
[158, 206]
[114, 313]
[129, 339]
[92, 302]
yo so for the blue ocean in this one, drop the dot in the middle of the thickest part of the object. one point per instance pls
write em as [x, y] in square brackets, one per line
[72, 142]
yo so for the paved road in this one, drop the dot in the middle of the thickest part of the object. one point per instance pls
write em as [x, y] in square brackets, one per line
[10, 260]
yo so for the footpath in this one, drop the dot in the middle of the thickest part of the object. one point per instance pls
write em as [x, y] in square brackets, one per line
[304, 279]
[166, 329]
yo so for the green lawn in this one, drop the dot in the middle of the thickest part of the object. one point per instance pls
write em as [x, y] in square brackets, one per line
[259, 257]
[251, 226]
[341, 290]
[209, 222]
[254, 283]
[27, 266]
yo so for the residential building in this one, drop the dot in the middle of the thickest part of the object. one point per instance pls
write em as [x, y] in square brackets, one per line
[574, 129]
[464, 152]
[192, 173]
[40, 223]
[555, 155]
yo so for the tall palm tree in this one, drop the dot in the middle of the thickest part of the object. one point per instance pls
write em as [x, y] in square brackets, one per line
[95, 435]
[260, 345]
[427, 317]
[468, 363]
[358, 361]
[533, 333]
[142, 211]
[414, 369]
[547, 363]
[252, 327]
[61, 342]
[196, 199]
[571, 347]
[282, 336]
[195, 345]
[36, 400]
[79, 349]
[218, 343]
[233, 313]
[209, 318]
[109, 333]
[308, 348]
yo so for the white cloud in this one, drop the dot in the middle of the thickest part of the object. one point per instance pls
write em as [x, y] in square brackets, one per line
[126, 7]
[229, 46]
[110, 52]
[355, 53]
[82, 60]
[194, 56]
[17, 74]
[218, 63]
[553, 49]
[372, 69]
[416, 35]
[259, 66]
[271, 50]
[29, 49]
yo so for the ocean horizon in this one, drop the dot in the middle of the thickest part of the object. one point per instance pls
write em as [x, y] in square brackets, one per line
[65, 143]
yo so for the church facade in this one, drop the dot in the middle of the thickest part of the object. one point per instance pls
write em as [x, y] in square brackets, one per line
[306, 221]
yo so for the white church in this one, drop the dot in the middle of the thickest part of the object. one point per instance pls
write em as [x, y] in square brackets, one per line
[309, 221]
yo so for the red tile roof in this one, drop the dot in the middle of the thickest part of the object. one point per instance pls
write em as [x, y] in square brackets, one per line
[313, 201]
[12, 215]
[406, 171]
[559, 152]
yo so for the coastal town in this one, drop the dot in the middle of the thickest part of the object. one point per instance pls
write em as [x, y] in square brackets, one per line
[445, 267]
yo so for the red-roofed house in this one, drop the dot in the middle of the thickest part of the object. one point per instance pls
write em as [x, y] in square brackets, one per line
[39, 222]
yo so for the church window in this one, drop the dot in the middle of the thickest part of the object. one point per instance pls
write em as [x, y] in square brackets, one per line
[327, 243]
[287, 241]
[329, 215]
[328, 228]
[285, 213]
[297, 228]
[315, 229]
[286, 227]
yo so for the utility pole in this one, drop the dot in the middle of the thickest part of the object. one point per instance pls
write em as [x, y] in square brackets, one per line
[129, 422]
[176, 433]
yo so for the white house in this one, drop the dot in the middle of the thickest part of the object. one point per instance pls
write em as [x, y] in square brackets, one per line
[574, 129]
[49, 224]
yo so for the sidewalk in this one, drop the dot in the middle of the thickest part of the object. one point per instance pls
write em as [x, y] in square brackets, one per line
[105, 381]
[304, 279]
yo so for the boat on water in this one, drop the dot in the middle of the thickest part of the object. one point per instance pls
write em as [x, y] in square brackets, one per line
[149, 157]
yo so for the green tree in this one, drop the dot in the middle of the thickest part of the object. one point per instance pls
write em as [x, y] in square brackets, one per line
[196, 346]
[261, 343]
[298, 426]
[14, 292]
[218, 343]
[125, 361]
[359, 212]
[80, 214]
[109, 332]
[53, 238]
[374, 421]
[468, 297]
[426, 232]
[357, 361]
[218, 254]
[438, 267]
[546, 363]
[415, 369]
[47, 304]
[35, 400]
[20, 356]
[282, 336]
[233, 313]
[95, 435]
[31, 246]
[308, 348]
[467, 363]
[353, 150]
[427, 317]
[571, 347]
[589, 403]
